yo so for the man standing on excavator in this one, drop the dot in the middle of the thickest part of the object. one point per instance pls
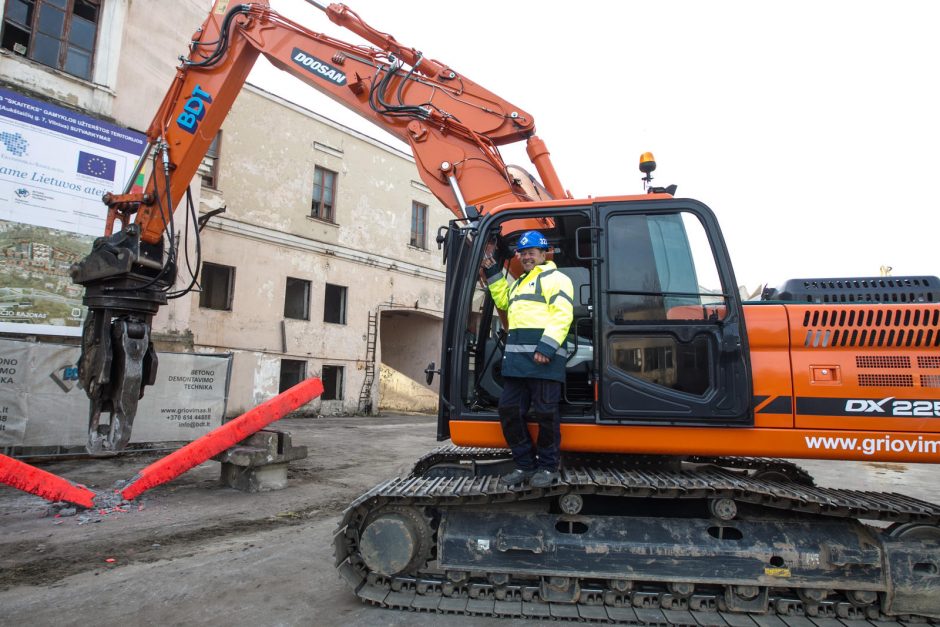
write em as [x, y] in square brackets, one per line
[540, 306]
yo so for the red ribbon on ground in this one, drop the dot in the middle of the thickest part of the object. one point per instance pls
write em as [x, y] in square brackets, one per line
[221, 438]
[51, 487]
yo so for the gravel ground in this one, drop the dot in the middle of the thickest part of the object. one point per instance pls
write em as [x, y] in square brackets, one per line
[191, 552]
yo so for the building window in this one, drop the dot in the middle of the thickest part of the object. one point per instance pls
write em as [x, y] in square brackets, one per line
[293, 371]
[419, 225]
[297, 299]
[57, 33]
[324, 194]
[209, 168]
[332, 379]
[334, 304]
[218, 284]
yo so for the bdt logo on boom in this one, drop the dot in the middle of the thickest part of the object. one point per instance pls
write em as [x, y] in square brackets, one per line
[65, 376]
[194, 110]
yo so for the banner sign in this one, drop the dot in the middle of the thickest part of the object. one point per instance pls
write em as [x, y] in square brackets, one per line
[55, 165]
[42, 405]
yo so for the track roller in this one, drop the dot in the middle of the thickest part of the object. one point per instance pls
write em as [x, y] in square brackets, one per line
[395, 540]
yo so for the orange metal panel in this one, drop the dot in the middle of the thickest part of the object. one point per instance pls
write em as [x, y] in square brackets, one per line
[871, 367]
[769, 339]
[773, 421]
[846, 444]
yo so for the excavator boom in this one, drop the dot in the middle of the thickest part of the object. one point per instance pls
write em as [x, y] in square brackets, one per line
[453, 125]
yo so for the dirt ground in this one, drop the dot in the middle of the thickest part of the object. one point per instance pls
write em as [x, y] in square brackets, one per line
[191, 552]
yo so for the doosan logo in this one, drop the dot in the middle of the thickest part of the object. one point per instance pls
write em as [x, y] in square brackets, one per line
[318, 67]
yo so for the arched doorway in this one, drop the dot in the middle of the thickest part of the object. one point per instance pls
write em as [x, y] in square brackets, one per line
[409, 340]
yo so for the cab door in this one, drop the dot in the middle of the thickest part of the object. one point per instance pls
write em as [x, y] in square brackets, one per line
[671, 342]
[458, 249]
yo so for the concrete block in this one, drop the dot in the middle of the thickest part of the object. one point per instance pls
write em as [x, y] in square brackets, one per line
[267, 446]
[255, 478]
[259, 462]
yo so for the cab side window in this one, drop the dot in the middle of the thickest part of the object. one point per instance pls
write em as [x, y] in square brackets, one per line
[662, 269]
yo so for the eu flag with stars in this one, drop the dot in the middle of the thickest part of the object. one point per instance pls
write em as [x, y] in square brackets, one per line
[96, 165]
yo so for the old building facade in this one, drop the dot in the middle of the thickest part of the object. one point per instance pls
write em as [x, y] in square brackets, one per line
[323, 262]
[325, 253]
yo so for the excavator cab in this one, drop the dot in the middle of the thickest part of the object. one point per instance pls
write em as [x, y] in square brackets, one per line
[658, 335]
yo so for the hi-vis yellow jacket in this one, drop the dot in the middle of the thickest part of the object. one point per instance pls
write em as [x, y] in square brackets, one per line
[540, 306]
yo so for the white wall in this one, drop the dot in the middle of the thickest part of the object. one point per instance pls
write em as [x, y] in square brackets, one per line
[267, 234]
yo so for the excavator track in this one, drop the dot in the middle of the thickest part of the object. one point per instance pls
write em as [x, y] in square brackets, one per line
[461, 480]
[460, 455]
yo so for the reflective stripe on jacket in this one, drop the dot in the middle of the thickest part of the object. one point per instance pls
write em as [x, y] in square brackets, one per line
[540, 307]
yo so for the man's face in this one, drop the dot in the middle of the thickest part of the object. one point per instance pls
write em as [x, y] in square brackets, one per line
[531, 257]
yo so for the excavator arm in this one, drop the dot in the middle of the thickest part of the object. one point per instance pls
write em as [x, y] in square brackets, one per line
[453, 125]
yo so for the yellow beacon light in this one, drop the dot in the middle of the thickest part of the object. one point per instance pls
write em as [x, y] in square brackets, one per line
[647, 163]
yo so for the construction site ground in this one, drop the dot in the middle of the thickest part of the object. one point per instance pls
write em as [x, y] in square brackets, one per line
[191, 552]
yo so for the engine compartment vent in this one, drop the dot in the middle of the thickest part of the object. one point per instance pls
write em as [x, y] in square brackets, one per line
[928, 361]
[883, 361]
[910, 338]
[872, 317]
[877, 326]
[886, 380]
[930, 380]
[909, 289]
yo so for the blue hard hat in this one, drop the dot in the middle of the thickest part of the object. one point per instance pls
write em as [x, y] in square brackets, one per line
[532, 239]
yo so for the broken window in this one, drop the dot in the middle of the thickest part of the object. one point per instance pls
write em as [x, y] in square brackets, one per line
[332, 379]
[218, 284]
[334, 304]
[209, 168]
[324, 194]
[419, 225]
[297, 299]
[57, 33]
[293, 371]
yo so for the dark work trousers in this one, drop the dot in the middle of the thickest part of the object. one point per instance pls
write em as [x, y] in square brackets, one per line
[542, 395]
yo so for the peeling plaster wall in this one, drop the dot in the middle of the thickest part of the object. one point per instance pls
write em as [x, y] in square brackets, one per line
[267, 235]
[256, 325]
[267, 373]
[269, 182]
[155, 35]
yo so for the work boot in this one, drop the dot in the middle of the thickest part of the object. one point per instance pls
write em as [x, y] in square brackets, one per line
[517, 476]
[544, 478]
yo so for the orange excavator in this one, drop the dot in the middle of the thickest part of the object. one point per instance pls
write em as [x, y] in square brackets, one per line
[674, 504]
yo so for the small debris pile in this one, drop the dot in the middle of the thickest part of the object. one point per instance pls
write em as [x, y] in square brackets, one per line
[105, 504]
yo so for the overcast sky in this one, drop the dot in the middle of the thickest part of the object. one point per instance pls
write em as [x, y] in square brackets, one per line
[810, 128]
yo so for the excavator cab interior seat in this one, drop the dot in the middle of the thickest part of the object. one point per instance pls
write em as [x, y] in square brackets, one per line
[580, 341]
